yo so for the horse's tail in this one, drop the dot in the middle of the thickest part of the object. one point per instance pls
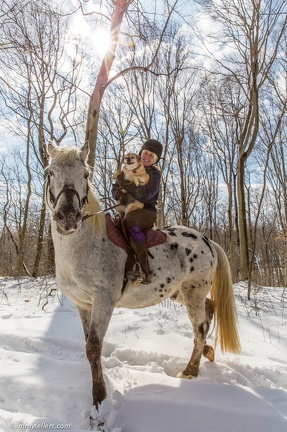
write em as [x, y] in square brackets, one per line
[224, 304]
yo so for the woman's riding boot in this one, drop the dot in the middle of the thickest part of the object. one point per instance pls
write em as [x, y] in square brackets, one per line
[140, 249]
[136, 222]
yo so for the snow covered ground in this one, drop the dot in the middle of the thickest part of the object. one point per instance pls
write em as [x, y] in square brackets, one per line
[45, 381]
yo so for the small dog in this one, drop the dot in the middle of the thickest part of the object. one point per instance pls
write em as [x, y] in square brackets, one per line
[134, 171]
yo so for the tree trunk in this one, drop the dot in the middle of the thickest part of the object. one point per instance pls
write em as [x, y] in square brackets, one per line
[39, 248]
[51, 253]
[23, 227]
[44, 159]
[120, 8]
[242, 221]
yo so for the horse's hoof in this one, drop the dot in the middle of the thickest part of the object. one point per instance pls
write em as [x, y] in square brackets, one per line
[184, 376]
[208, 352]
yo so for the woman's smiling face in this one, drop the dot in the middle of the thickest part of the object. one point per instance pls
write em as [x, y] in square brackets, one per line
[148, 158]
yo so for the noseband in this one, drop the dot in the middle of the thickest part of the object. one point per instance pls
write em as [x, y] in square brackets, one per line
[66, 188]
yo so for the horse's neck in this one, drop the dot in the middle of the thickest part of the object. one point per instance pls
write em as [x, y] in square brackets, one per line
[92, 207]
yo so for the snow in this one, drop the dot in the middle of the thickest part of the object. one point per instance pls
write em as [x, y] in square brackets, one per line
[45, 380]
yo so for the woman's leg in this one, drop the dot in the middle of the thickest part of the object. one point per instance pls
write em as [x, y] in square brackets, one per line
[144, 219]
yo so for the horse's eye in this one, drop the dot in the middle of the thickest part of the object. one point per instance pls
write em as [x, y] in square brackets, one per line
[51, 173]
[86, 175]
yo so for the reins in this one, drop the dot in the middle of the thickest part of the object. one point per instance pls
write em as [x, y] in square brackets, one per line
[87, 216]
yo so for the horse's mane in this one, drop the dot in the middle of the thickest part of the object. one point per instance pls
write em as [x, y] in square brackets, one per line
[92, 206]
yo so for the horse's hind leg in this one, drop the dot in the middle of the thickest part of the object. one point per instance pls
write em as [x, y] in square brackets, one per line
[208, 350]
[200, 311]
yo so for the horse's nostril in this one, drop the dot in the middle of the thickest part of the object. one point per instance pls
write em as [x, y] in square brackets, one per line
[59, 216]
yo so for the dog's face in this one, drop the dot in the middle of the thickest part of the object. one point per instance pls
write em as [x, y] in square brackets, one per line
[131, 161]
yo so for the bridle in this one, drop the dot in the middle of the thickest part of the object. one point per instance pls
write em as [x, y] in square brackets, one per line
[54, 200]
[66, 188]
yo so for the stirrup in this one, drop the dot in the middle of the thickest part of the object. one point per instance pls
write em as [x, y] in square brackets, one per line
[134, 277]
[137, 282]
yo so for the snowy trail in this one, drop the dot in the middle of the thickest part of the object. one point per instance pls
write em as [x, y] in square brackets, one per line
[45, 377]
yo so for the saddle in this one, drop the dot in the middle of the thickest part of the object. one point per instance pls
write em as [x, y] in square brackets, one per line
[116, 235]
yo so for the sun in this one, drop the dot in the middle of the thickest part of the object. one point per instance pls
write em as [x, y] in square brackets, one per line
[100, 39]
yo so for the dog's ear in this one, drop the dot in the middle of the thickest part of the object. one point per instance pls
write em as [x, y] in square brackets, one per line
[138, 158]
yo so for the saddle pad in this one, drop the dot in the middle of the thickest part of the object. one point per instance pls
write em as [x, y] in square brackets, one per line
[155, 238]
[115, 234]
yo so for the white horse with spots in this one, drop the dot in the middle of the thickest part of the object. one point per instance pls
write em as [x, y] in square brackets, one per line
[90, 268]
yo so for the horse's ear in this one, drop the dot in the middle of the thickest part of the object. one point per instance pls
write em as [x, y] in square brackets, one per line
[52, 147]
[85, 150]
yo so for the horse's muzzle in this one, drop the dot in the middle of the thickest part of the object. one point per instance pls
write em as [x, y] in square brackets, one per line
[67, 221]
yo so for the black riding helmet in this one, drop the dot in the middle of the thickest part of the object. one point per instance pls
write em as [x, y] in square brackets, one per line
[153, 146]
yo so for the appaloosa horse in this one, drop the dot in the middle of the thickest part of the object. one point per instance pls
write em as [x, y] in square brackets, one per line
[90, 268]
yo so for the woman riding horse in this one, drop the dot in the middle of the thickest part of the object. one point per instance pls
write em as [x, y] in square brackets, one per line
[138, 221]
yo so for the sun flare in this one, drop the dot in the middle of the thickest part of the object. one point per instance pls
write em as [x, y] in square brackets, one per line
[101, 40]
[98, 39]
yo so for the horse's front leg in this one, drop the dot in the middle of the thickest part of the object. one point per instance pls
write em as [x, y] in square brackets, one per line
[102, 310]
[85, 316]
[94, 353]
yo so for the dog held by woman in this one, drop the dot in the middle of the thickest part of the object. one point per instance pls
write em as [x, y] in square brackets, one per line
[133, 171]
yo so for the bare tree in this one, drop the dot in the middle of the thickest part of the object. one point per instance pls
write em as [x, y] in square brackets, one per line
[220, 104]
[251, 28]
[178, 95]
[116, 131]
[16, 195]
[119, 11]
[40, 101]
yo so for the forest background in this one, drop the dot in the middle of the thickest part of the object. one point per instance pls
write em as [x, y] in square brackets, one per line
[206, 78]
